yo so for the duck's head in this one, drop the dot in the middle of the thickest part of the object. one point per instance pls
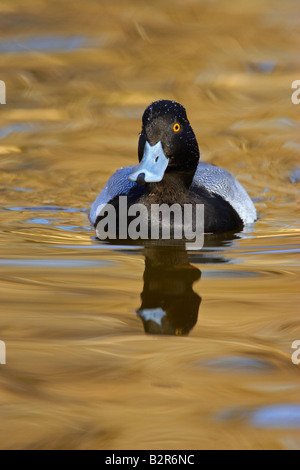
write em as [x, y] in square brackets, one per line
[167, 144]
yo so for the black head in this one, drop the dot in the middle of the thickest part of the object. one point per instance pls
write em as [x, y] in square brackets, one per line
[167, 143]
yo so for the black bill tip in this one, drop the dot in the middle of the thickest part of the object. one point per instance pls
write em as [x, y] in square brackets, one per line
[141, 178]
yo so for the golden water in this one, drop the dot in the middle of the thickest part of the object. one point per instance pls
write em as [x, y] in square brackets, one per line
[83, 370]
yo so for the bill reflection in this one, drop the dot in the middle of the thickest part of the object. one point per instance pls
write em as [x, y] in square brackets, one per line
[169, 305]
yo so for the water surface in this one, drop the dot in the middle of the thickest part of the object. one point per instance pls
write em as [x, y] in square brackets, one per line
[115, 347]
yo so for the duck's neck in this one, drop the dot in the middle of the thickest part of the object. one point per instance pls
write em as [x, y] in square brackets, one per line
[172, 189]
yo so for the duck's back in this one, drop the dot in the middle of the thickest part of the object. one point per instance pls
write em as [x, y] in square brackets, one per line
[209, 180]
[220, 182]
[117, 185]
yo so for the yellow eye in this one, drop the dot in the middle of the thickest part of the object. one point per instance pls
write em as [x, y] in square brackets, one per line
[176, 127]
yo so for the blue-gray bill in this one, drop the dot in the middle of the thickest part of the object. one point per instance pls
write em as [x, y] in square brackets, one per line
[153, 165]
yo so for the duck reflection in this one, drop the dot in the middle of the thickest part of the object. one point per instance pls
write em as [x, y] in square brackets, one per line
[169, 304]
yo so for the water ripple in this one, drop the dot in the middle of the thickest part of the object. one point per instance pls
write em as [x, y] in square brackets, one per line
[43, 44]
[54, 263]
[283, 416]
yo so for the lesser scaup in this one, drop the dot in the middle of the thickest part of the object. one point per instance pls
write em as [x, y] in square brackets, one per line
[170, 172]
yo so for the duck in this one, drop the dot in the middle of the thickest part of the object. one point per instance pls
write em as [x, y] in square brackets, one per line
[170, 172]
